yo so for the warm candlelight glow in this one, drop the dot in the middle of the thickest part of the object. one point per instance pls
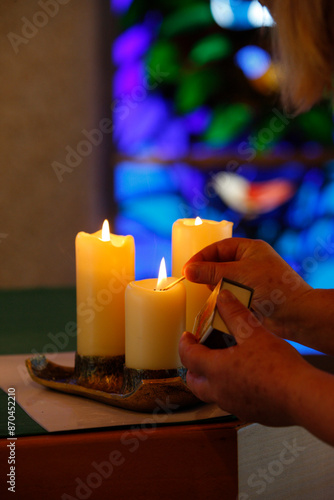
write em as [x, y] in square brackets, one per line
[198, 221]
[105, 231]
[162, 276]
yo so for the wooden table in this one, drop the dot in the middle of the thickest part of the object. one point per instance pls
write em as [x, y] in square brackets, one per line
[172, 462]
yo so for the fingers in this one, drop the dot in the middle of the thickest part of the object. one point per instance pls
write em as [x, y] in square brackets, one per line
[215, 261]
[199, 385]
[241, 323]
[197, 359]
[225, 250]
[210, 272]
[194, 356]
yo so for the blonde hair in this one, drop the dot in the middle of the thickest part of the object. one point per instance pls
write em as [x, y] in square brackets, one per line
[304, 44]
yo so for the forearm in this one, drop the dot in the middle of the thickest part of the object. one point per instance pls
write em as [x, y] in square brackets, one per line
[311, 402]
[310, 321]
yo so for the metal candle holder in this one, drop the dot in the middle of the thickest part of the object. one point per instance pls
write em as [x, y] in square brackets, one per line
[108, 380]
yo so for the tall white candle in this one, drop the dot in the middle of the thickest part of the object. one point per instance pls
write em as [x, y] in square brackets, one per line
[189, 236]
[104, 267]
[154, 323]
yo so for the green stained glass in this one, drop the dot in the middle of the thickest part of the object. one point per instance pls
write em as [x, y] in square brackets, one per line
[164, 54]
[187, 18]
[271, 131]
[211, 48]
[227, 123]
[194, 90]
[317, 124]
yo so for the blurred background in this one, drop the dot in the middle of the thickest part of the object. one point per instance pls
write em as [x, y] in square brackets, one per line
[145, 112]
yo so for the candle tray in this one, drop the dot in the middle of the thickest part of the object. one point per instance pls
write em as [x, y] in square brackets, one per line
[109, 381]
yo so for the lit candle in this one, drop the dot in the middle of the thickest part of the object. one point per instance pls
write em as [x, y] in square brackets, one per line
[104, 267]
[189, 236]
[154, 323]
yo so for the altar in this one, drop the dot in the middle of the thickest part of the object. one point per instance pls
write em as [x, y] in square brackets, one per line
[67, 447]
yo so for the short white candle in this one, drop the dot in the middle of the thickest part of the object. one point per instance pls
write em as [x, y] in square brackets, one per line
[154, 323]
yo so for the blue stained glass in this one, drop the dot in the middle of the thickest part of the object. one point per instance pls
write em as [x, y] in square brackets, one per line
[190, 183]
[157, 212]
[320, 230]
[303, 209]
[329, 166]
[120, 6]
[197, 121]
[131, 44]
[314, 176]
[326, 202]
[172, 142]
[269, 229]
[211, 213]
[253, 61]
[126, 78]
[134, 179]
[312, 149]
[323, 275]
[288, 244]
[150, 248]
[149, 117]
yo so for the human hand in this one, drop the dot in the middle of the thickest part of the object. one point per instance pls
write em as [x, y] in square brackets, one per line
[257, 380]
[278, 289]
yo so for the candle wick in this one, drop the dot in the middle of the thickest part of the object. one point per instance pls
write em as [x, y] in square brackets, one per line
[173, 284]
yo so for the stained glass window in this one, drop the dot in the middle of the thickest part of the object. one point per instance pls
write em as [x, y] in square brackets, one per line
[199, 130]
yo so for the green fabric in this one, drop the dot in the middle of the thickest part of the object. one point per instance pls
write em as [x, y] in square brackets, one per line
[31, 320]
[24, 425]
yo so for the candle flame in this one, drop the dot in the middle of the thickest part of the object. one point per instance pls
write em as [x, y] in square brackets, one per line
[162, 276]
[105, 231]
[198, 221]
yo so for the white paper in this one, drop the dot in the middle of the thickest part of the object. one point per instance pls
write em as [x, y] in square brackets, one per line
[56, 411]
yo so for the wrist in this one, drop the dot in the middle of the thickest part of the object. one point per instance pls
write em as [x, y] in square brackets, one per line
[310, 404]
[297, 395]
[310, 320]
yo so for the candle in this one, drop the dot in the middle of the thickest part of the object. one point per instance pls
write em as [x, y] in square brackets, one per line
[154, 323]
[104, 267]
[189, 236]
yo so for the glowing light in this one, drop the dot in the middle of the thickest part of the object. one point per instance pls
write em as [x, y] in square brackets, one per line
[162, 276]
[258, 15]
[237, 15]
[222, 13]
[105, 231]
[198, 221]
[253, 61]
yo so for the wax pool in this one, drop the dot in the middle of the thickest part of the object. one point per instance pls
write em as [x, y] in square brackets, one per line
[154, 323]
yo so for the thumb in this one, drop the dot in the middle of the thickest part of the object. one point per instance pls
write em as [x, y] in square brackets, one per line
[239, 320]
[203, 272]
[194, 356]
